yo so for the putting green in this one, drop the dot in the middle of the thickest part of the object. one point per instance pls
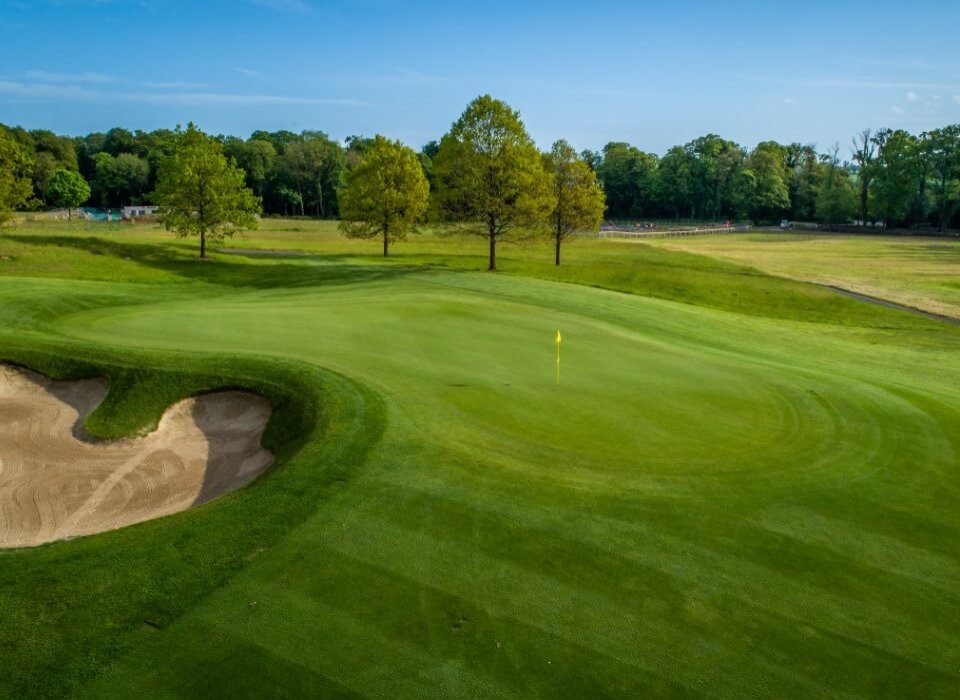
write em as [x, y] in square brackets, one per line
[645, 395]
[709, 503]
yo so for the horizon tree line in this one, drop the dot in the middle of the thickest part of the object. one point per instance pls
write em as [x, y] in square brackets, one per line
[892, 176]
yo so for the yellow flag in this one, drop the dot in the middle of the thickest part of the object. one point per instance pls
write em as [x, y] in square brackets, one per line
[557, 341]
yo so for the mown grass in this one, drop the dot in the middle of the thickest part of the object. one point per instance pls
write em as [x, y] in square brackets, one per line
[149, 254]
[742, 486]
[71, 609]
[912, 270]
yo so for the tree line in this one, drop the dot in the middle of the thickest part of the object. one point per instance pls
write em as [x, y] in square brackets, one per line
[892, 176]
[489, 180]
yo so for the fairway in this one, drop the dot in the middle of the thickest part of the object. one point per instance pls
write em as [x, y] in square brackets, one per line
[742, 486]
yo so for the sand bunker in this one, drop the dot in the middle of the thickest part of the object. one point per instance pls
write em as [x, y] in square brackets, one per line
[55, 483]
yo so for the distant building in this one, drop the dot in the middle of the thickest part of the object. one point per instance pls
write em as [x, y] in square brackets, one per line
[139, 210]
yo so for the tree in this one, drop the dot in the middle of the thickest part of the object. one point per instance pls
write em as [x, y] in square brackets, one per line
[120, 180]
[386, 193]
[760, 188]
[44, 166]
[941, 150]
[256, 157]
[805, 172]
[864, 148]
[894, 174]
[628, 175]
[580, 201]
[836, 200]
[490, 179]
[67, 189]
[201, 193]
[118, 140]
[716, 162]
[675, 181]
[15, 168]
[314, 168]
[593, 159]
[426, 156]
[355, 148]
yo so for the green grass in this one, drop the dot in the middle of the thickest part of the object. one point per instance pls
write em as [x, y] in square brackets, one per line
[916, 271]
[744, 485]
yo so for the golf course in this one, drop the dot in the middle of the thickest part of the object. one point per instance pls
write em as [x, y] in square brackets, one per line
[741, 483]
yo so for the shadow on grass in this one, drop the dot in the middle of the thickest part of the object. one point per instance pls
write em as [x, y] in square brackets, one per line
[234, 269]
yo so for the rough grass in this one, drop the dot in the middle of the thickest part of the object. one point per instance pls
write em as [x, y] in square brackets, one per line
[916, 271]
[742, 486]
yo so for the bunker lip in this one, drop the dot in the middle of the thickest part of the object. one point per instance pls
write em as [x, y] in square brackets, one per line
[56, 482]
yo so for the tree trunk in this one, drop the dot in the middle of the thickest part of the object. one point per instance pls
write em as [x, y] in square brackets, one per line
[943, 206]
[69, 214]
[385, 240]
[493, 253]
[203, 244]
[558, 251]
[864, 193]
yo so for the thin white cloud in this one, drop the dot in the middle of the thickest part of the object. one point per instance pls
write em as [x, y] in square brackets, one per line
[46, 91]
[174, 85]
[408, 75]
[956, 98]
[72, 93]
[855, 82]
[85, 77]
[896, 110]
[216, 98]
[789, 100]
[250, 73]
[912, 96]
[299, 6]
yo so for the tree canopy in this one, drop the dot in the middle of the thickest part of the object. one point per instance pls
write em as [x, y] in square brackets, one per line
[15, 186]
[580, 201]
[905, 179]
[490, 180]
[386, 193]
[201, 193]
[68, 189]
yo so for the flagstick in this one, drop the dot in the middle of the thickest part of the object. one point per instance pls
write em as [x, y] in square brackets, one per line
[558, 356]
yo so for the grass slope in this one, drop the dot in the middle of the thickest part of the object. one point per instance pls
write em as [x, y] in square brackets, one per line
[916, 271]
[743, 485]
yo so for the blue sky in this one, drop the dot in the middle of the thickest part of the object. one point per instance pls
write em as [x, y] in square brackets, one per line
[654, 74]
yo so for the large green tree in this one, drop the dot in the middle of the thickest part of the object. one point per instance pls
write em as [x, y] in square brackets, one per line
[805, 172]
[68, 189]
[15, 170]
[121, 179]
[941, 151]
[314, 168]
[386, 193]
[675, 182]
[490, 178]
[864, 151]
[836, 200]
[201, 193]
[580, 201]
[628, 175]
[715, 163]
[894, 174]
[760, 188]
[256, 157]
